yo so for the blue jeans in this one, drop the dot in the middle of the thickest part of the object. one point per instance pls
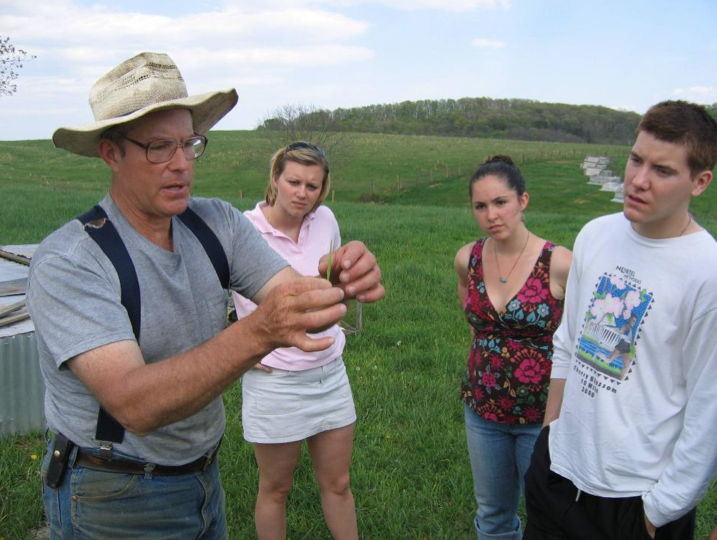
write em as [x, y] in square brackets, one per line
[500, 456]
[97, 505]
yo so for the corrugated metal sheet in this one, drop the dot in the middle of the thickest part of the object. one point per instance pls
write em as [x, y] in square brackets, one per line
[22, 390]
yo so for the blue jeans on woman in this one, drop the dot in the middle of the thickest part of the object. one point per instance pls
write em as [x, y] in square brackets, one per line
[500, 456]
[99, 505]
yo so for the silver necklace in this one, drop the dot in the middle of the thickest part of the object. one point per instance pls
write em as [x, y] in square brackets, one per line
[686, 226]
[495, 252]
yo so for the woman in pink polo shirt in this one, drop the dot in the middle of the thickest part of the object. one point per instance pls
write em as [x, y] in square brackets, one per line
[293, 395]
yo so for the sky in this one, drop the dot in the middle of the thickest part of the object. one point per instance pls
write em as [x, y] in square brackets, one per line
[625, 54]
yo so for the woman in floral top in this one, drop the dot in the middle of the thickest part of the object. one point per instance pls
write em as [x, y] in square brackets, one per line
[511, 285]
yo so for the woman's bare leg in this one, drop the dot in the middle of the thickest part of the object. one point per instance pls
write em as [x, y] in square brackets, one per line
[331, 456]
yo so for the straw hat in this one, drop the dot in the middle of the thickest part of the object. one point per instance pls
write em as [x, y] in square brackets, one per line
[146, 83]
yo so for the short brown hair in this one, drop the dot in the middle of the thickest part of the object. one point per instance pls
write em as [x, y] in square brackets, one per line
[303, 154]
[684, 123]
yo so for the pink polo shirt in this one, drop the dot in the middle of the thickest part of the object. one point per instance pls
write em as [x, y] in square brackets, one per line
[317, 231]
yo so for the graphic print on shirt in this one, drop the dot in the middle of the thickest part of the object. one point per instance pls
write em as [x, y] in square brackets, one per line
[611, 330]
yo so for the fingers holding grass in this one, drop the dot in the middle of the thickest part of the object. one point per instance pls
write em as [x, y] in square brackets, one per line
[293, 309]
[354, 269]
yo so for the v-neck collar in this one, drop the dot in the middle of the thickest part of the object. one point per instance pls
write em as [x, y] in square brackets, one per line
[510, 299]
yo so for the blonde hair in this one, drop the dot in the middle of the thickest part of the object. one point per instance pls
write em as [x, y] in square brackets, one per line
[303, 153]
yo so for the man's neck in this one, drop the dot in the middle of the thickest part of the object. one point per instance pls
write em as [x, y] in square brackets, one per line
[156, 229]
[673, 227]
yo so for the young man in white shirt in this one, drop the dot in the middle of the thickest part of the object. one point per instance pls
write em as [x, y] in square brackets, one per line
[630, 449]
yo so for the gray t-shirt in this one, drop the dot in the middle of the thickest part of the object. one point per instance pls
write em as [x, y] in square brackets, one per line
[74, 300]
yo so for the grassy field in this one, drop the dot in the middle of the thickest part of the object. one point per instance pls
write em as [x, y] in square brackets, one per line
[364, 167]
[410, 475]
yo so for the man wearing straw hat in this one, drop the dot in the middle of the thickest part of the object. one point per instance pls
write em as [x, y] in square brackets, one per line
[129, 305]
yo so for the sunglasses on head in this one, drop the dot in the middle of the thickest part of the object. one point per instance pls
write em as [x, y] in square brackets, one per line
[299, 145]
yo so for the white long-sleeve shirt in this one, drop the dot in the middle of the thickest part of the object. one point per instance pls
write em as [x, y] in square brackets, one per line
[650, 428]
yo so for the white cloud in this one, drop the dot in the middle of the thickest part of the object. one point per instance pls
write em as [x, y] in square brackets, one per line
[699, 94]
[445, 5]
[231, 45]
[77, 25]
[409, 5]
[257, 47]
[483, 43]
[31, 111]
[695, 90]
[299, 56]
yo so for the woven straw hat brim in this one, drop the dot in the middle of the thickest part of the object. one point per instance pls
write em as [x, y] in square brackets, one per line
[207, 110]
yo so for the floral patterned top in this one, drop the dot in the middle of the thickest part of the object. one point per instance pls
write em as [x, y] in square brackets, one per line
[509, 362]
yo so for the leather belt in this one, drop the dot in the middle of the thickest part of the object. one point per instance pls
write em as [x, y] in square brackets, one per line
[97, 463]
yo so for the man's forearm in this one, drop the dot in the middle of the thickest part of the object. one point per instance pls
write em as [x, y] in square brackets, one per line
[143, 397]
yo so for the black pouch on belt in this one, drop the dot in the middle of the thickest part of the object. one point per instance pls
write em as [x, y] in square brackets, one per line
[61, 448]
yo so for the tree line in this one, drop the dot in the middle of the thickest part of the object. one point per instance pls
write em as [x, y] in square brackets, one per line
[518, 119]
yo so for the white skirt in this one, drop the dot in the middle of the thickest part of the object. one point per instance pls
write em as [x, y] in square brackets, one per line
[286, 406]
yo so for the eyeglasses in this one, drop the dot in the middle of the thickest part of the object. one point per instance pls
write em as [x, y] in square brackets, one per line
[163, 150]
[305, 145]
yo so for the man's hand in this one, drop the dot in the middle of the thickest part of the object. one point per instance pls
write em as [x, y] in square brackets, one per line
[355, 271]
[651, 529]
[291, 309]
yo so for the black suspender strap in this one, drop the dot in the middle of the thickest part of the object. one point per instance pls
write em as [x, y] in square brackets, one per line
[101, 230]
[104, 233]
[210, 242]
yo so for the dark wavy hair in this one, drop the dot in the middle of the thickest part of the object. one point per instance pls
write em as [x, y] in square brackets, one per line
[503, 167]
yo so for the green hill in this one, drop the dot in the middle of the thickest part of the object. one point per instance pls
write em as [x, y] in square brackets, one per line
[517, 119]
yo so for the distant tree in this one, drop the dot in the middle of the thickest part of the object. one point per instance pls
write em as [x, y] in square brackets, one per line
[11, 59]
[291, 123]
[712, 109]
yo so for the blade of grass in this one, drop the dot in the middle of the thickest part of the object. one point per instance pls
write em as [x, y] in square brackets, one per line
[331, 255]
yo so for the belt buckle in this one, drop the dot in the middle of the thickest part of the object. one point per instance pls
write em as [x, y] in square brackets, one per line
[148, 469]
[105, 449]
